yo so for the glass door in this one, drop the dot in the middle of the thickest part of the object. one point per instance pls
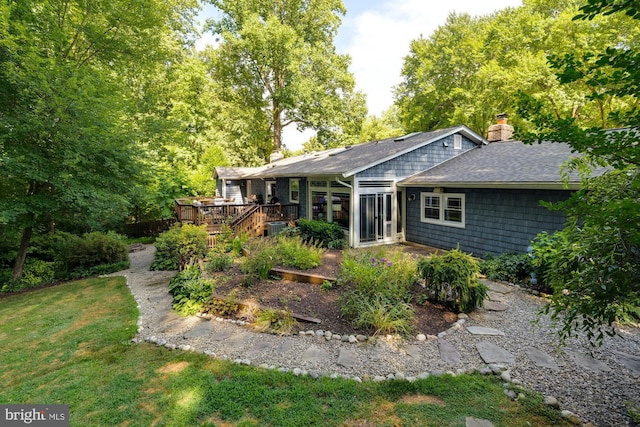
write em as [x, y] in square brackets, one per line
[375, 217]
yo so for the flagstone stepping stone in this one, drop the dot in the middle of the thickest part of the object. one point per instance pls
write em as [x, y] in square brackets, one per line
[494, 306]
[314, 355]
[541, 359]
[413, 351]
[221, 335]
[477, 422]
[201, 329]
[239, 340]
[495, 296]
[448, 353]
[172, 326]
[630, 361]
[258, 348]
[380, 349]
[492, 353]
[481, 330]
[285, 345]
[347, 358]
[498, 287]
[586, 361]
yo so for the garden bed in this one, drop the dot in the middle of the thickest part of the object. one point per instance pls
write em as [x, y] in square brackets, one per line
[321, 301]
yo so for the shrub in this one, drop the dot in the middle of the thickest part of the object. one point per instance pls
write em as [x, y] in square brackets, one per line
[219, 262]
[53, 246]
[35, 273]
[262, 258]
[278, 321]
[292, 252]
[379, 300]
[190, 290]
[99, 248]
[382, 316]
[451, 280]
[181, 245]
[224, 239]
[390, 275]
[226, 306]
[97, 253]
[324, 234]
[508, 267]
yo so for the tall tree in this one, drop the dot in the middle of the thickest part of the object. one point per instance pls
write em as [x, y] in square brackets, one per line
[278, 62]
[472, 68]
[595, 259]
[67, 150]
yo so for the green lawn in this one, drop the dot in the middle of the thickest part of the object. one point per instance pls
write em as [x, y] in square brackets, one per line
[70, 344]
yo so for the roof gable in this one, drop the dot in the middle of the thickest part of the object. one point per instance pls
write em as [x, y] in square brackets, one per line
[348, 161]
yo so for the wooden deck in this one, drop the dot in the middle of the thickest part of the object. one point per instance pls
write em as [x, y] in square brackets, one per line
[252, 219]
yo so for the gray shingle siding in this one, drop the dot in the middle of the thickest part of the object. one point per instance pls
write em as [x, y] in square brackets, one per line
[417, 160]
[496, 220]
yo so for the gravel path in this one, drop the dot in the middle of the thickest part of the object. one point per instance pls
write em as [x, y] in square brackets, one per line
[595, 384]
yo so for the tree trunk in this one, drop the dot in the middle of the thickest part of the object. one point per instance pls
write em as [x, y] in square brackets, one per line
[22, 253]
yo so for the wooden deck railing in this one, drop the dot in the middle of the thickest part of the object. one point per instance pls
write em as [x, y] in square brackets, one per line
[248, 218]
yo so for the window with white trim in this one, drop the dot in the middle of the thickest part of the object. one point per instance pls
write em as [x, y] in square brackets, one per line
[457, 142]
[294, 190]
[442, 208]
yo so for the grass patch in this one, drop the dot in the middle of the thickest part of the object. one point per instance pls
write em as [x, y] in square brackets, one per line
[71, 345]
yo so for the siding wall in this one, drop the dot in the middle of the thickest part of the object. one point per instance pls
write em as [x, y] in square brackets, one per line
[497, 221]
[417, 160]
[257, 187]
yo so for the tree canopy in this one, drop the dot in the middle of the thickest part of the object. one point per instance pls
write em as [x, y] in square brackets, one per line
[67, 152]
[595, 259]
[278, 65]
[472, 68]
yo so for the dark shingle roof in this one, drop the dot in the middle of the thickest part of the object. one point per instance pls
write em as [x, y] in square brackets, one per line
[502, 164]
[350, 160]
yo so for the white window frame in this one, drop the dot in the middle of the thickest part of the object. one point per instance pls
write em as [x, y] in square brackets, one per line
[444, 198]
[457, 142]
[291, 199]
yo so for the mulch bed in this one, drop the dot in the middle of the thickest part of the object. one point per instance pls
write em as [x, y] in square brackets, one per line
[309, 300]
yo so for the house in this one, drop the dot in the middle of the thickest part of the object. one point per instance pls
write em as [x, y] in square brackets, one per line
[442, 188]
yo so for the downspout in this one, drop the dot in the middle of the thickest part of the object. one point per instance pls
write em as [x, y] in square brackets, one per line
[344, 183]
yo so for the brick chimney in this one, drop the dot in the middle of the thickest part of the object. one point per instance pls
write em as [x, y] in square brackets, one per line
[501, 131]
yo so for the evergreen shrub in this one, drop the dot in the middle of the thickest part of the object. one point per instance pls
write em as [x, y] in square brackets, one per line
[452, 280]
[183, 244]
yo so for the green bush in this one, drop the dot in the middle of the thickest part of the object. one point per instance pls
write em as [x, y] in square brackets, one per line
[219, 262]
[263, 256]
[35, 273]
[190, 290]
[53, 246]
[181, 245]
[380, 296]
[226, 306]
[321, 233]
[290, 251]
[508, 267]
[387, 274]
[452, 280]
[381, 316]
[95, 253]
[293, 252]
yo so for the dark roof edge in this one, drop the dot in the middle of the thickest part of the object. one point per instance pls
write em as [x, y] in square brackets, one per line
[544, 185]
